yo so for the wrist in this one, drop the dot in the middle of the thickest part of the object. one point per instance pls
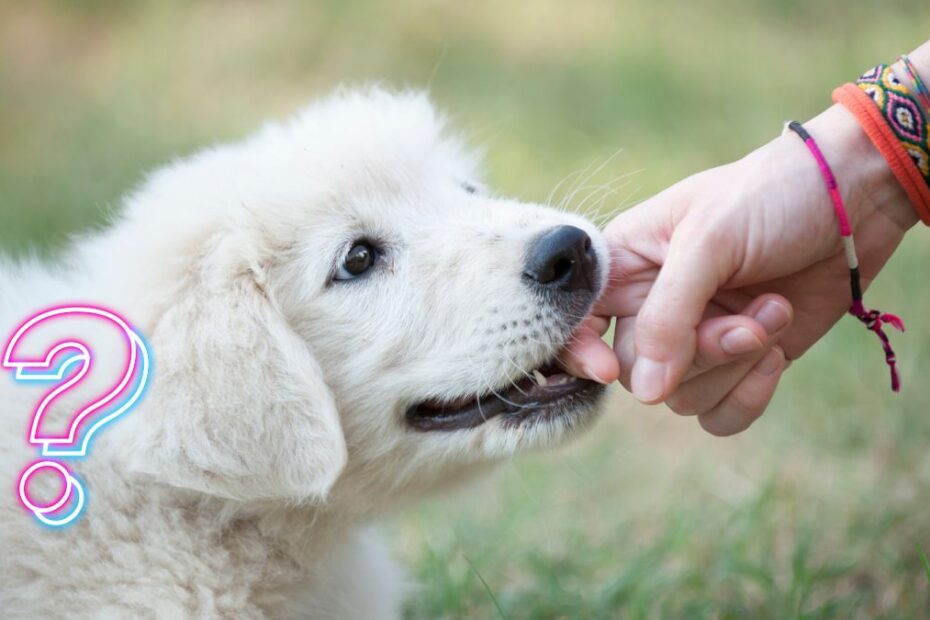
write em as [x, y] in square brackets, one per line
[866, 181]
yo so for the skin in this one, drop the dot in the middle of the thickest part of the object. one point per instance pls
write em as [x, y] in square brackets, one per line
[721, 280]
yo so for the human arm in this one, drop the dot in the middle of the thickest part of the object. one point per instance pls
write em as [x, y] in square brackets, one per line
[687, 262]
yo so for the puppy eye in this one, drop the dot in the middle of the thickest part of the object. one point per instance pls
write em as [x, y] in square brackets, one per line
[469, 188]
[359, 259]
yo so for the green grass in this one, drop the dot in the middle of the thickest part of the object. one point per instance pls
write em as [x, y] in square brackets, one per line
[923, 560]
[819, 511]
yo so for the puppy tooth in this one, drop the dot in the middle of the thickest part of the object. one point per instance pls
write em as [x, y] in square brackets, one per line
[540, 378]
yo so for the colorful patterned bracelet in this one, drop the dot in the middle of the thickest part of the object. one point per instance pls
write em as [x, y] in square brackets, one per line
[902, 112]
[923, 94]
[874, 320]
[896, 125]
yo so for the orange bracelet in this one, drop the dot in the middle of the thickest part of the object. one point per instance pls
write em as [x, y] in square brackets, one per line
[876, 128]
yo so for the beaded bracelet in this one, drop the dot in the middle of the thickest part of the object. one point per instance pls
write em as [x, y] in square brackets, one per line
[896, 125]
[874, 320]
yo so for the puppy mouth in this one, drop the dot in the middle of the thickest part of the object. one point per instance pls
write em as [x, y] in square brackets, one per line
[547, 393]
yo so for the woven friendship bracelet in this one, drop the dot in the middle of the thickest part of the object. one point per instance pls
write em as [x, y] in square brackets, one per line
[874, 320]
[876, 127]
[902, 112]
[896, 125]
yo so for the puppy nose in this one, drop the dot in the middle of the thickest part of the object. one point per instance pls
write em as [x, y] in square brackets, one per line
[562, 258]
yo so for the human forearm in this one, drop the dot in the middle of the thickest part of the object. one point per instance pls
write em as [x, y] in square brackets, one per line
[869, 188]
[720, 242]
[880, 208]
[867, 182]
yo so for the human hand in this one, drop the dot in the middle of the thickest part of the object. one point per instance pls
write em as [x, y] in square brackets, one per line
[707, 276]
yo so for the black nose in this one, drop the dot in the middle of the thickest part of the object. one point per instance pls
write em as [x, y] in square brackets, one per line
[562, 258]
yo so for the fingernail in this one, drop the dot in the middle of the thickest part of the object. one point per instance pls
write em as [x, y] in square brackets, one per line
[647, 379]
[773, 316]
[770, 363]
[740, 341]
[590, 374]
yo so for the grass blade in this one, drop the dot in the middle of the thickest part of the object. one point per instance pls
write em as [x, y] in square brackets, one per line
[486, 587]
[923, 560]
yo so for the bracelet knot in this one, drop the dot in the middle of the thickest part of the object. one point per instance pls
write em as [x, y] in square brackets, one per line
[874, 321]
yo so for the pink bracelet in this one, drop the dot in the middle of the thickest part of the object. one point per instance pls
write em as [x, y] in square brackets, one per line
[874, 320]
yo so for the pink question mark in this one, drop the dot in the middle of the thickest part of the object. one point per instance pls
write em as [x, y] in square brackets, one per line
[42, 350]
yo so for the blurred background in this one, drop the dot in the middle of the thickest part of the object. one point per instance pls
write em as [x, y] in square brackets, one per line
[818, 511]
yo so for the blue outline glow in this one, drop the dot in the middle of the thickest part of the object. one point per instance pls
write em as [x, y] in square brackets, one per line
[136, 381]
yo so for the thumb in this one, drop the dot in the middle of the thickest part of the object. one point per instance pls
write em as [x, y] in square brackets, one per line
[666, 325]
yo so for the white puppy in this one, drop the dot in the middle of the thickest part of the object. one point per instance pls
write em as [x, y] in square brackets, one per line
[341, 320]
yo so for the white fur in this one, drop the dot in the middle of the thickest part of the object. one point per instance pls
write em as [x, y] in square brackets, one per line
[273, 434]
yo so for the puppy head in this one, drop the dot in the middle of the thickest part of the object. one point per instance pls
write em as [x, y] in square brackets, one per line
[341, 288]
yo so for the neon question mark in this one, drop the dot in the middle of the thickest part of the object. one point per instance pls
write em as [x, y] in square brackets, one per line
[67, 374]
[72, 485]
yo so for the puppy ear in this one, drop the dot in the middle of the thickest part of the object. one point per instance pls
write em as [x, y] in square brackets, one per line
[237, 406]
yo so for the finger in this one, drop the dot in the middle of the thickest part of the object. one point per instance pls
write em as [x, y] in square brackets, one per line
[709, 381]
[637, 239]
[706, 391]
[748, 400]
[771, 315]
[626, 296]
[666, 326]
[624, 337]
[725, 340]
[588, 356]
[728, 339]
[624, 348]
[596, 323]
[772, 311]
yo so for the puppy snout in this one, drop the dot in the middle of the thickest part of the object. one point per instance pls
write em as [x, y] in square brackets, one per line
[562, 258]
